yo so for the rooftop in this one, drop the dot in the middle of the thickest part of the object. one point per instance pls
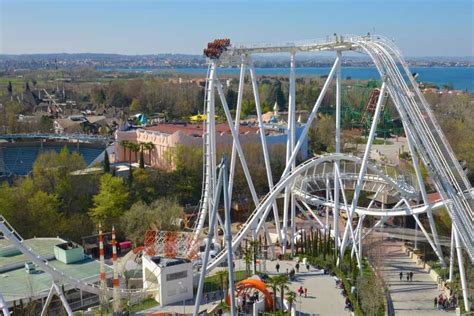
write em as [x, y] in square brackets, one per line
[197, 129]
[168, 262]
[16, 283]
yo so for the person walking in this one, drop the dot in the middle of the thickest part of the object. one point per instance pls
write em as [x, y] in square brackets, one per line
[305, 292]
[401, 276]
[435, 302]
[411, 276]
[300, 291]
[307, 267]
[297, 266]
[278, 267]
[408, 277]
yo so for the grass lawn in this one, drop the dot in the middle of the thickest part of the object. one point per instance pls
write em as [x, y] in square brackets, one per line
[213, 283]
[145, 304]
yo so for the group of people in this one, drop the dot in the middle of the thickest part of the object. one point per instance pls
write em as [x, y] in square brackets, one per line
[292, 273]
[302, 290]
[409, 276]
[340, 285]
[244, 300]
[443, 302]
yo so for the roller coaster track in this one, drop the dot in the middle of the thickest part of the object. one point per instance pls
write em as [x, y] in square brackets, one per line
[419, 120]
[206, 186]
[415, 113]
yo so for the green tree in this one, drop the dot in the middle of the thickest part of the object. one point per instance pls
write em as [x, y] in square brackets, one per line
[143, 186]
[223, 276]
[161, 214]
[52, 174]
[282, 282]
[31, 212]
[111, 201]
[273, 283]
[141, 160]
[106, 162]
[291, 299]
[248, 107]
[135, 106]
[43, 211]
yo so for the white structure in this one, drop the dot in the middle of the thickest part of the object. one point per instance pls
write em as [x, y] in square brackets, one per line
[170, 279]
[425, 139]
[329, 173]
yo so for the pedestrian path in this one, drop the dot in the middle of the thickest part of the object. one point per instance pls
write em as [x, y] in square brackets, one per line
[408, 297]
[323, 297]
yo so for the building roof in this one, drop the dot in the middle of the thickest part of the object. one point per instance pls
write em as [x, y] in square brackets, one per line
[68, 123]
[95, 118]
[197, 129]
[16, 283]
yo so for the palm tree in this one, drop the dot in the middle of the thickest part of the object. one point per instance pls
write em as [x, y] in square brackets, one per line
[290, 298]
[283, 283]
[223, 275]
[148, 146]
[248, 257]
[135, 148]
[254, 245]
[273, 283]
[125, 145]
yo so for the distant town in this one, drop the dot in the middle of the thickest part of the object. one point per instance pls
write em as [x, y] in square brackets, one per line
[10, 63]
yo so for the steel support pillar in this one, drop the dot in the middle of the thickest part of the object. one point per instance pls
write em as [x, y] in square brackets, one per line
[338, 150]
[210, 237]
[451, 255]
[462, 272]
[3, 306]
[228, 237]
[363, 168]
[59, 292]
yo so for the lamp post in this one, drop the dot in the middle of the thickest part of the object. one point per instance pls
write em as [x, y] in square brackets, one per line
[182, 292]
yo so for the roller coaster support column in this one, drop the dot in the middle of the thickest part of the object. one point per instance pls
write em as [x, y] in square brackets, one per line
[363, 170]
[291, 143]
[451, 255]
[263, 140]
[462, 272]
[228, 236]
[210, 237]
[419, 176]
[238, 110]
[59, 292]
[328, 188]
[3, 306]
[338, 150]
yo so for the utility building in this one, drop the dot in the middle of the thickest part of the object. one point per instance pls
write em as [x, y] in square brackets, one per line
[172, 278]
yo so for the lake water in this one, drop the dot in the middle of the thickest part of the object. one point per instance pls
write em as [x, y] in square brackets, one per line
[462, 78]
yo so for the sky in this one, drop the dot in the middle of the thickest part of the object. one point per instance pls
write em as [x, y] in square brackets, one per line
[419, 27]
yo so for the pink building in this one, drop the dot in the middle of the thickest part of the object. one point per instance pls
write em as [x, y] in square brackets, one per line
[167, 136]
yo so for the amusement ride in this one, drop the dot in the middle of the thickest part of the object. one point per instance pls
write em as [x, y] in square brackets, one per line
[320, 181]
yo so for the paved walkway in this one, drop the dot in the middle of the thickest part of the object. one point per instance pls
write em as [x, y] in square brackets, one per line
[323, 296]
[409, 298]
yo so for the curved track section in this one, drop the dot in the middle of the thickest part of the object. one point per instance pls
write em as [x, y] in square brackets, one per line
[416, 115]
[420, 123]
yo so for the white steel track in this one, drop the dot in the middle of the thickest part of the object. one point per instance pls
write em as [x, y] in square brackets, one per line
[326, 173]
